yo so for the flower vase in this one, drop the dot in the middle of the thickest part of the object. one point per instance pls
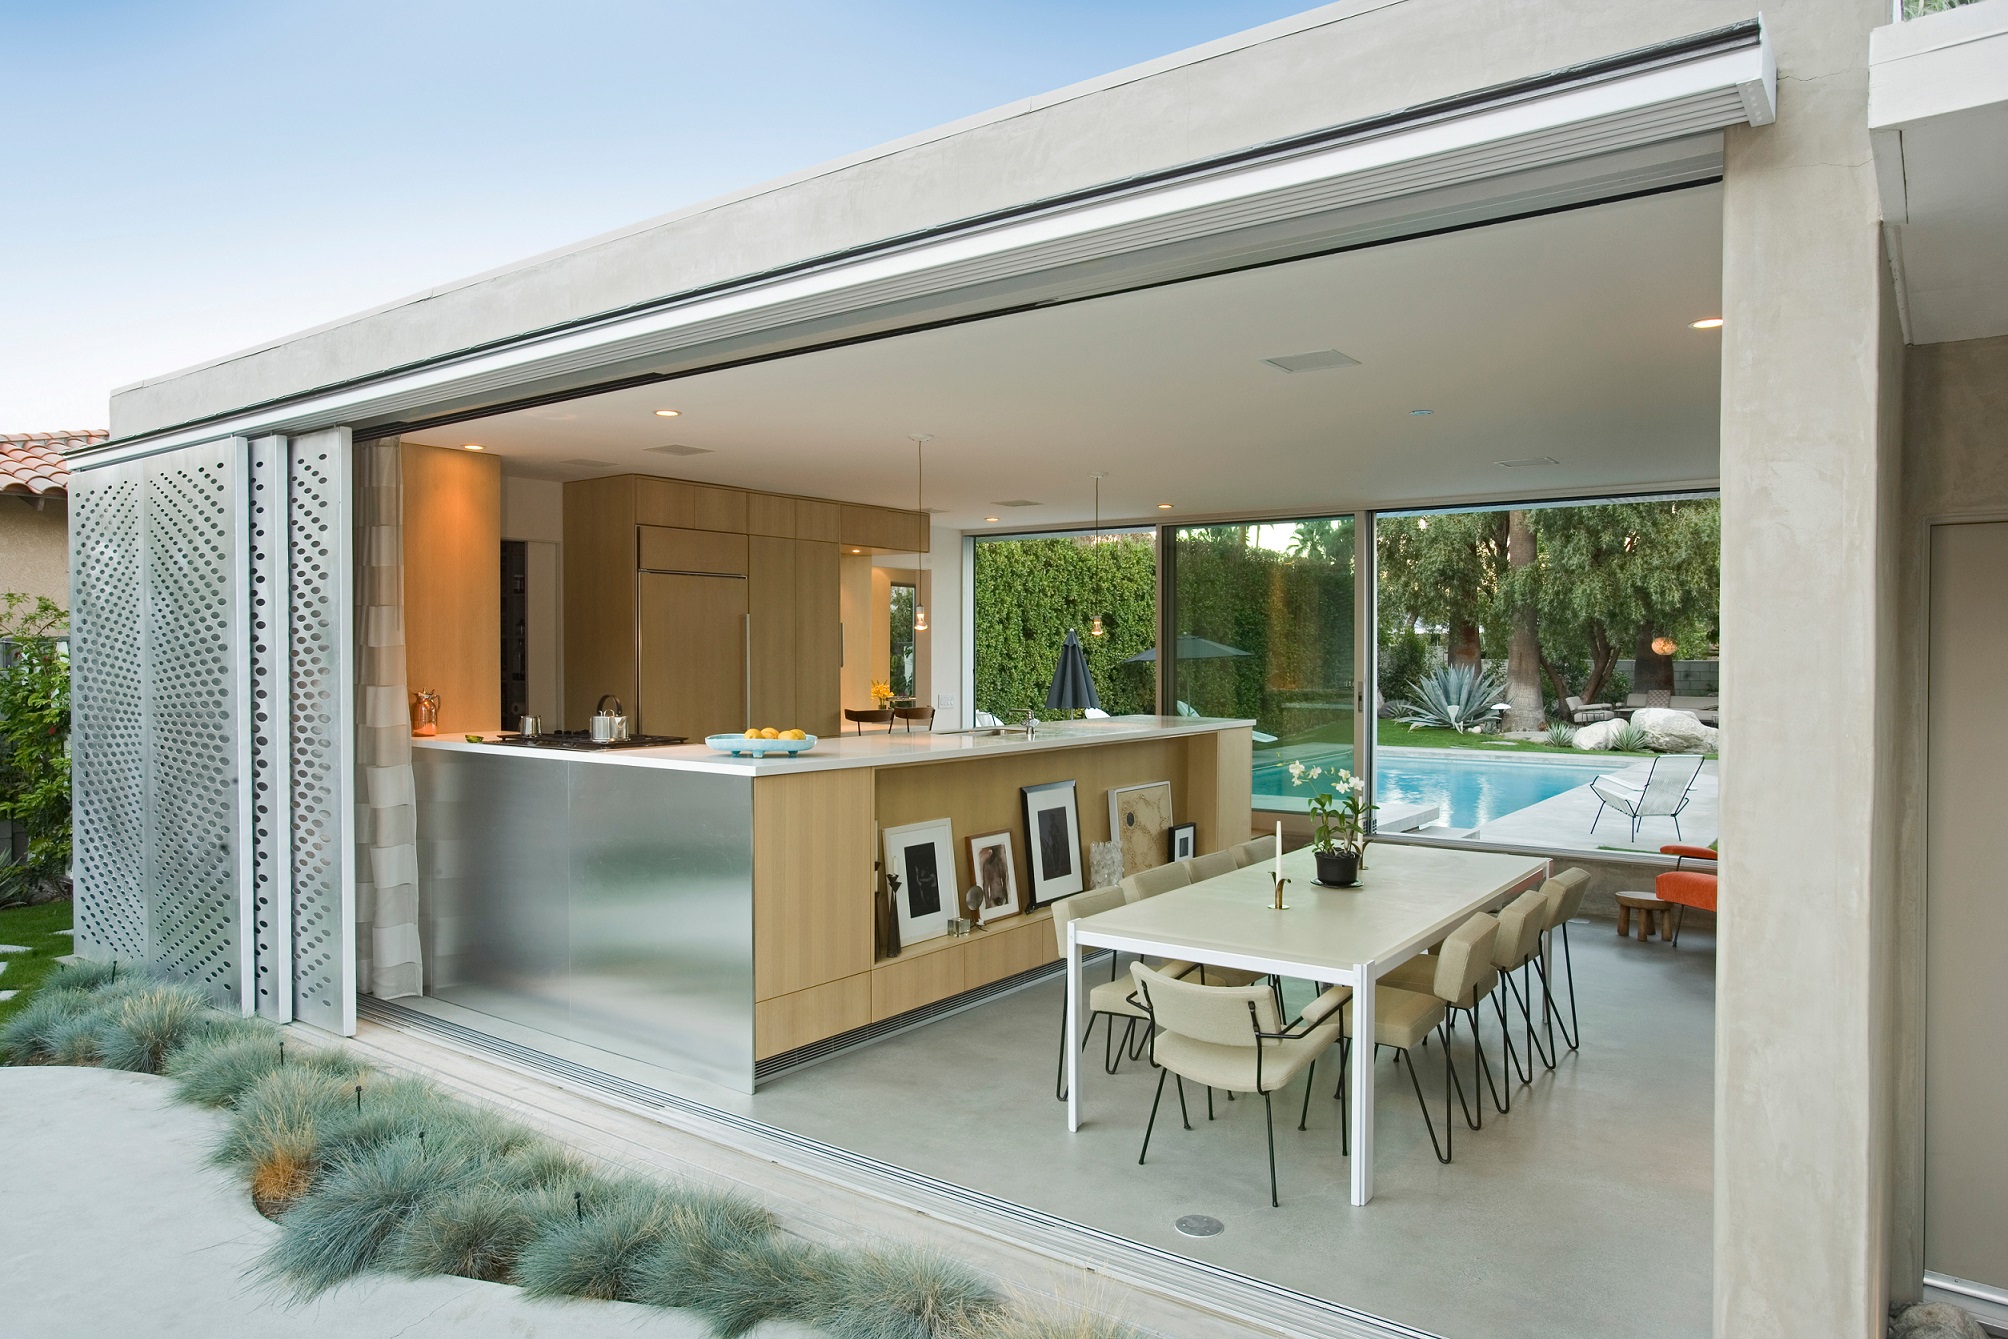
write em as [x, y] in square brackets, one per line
[1338, 869]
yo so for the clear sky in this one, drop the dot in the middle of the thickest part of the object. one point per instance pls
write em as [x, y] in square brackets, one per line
[185, 179]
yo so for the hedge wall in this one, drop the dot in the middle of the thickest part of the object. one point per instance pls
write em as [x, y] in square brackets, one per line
[1030, 591]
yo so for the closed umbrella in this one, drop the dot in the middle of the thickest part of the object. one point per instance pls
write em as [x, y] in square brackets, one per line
[1073, 689]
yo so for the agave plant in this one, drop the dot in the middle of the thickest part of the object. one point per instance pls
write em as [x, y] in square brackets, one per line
[1455, 697]
[1629, 738]
[1562, 735]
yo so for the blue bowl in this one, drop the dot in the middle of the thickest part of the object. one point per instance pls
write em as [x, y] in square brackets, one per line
[739, 746]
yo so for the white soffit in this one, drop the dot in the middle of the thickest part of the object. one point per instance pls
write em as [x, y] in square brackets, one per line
[1633, 124]
[1938, 120]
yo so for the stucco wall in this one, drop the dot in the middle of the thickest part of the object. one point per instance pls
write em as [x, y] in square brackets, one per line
[1327, 67]
[35, 549]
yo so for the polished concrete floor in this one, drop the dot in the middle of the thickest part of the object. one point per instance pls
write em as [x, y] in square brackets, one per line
[1586, 1211]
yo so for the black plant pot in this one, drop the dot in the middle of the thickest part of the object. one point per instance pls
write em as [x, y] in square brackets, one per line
[1338, 869]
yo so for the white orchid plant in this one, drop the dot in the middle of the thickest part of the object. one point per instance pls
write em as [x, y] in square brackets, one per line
[1341, 812]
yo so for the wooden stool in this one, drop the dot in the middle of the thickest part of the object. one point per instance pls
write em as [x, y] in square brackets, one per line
[1650, 909]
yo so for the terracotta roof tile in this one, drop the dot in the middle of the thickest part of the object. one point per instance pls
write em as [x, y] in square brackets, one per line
[31, 463]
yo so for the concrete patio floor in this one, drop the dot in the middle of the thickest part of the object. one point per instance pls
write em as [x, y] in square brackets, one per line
[1564, 822]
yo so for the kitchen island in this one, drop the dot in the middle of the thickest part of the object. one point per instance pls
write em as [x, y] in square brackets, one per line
[716, 915]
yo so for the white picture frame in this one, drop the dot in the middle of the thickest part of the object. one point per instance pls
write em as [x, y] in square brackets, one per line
[1052, 842]
[993, 876]
[1184, 841]
[1140, 821]
[922, 857]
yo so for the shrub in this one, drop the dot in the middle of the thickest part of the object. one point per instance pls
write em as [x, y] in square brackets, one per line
[83, 977]
[217, 1069]
[902, 1292]
[337, 1229]
[477, 1232]
[34, 746]
[1629, 738]
[138, 1031]
[282, 1114]
[607, 1248]
[29, 1036]
[688, 1265]
[1562, 735]
[776, 1278]
[77, 1040]
[1455, 697]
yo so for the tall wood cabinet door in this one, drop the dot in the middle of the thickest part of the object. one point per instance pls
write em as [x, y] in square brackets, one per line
[819, 637]
[770, 603]
[693, 654]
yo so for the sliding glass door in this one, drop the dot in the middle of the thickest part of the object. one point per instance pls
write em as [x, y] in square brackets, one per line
[1265, 629]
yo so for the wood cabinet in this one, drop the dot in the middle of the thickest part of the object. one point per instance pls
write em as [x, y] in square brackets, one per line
[786, 549]
[453, 583]
[692, 654]
[812, 869]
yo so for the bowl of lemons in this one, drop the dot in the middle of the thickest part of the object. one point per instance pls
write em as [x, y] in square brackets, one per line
[762, 741]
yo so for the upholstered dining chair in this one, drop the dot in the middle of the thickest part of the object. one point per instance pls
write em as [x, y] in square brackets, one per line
[1462, 986]
[1162, 879]
[1232, 1038]
[1565, 893]
[1255, 850]
[1686, 887]
[1108, 1000]
[1212, 865]
[1521, 923]
[1404, 1019]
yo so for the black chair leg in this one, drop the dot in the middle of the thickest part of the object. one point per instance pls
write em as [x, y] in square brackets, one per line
[1151, 1124]
[1345, 1102]
[1209, 1101]
[1310, 1075]
[1060, 1074]
[1269, 1119]
[1477, 1066]
[1679, 915]
[1184, 1119]
[1572, 1031]
[1408, 1063]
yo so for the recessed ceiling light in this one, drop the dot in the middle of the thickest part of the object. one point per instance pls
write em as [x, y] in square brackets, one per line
[679, 449]
[1164, 506]
[992, 520]
[857, 550]
[1531, 462]
[667, 413]
[1706, 323]
[1420, 413]
[1015, 502]
[1319, 360]
[472, 446]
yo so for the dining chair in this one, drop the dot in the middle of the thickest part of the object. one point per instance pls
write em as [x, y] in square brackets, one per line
[912, 714]
[1462, 988]
[863, 718]
[1565, 893]
[1232, 1038]
[1157, 879]
[1210, 866]
[1404, 1020]
[1108, 1000]
[1255, 850]
[1521, 922]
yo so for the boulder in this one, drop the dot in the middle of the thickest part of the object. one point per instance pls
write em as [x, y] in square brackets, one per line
[1597, 735]
[1936, 1320]
[1670, 731]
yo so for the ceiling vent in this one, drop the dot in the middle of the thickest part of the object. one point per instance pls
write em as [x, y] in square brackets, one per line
[589, 464]
[1530, 463]
[1016, 502]
[1321, 360]
[679, 449]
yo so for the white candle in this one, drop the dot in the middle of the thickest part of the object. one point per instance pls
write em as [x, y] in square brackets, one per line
[1279, 848]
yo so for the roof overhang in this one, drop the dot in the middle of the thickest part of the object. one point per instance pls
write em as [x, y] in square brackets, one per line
[1938, 121]
[1630, 124]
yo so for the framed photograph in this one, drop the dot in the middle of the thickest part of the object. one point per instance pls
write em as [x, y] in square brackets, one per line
[1052, 841]
[996, 877]
[921, 856]
[1184, 841]
[1139, 818]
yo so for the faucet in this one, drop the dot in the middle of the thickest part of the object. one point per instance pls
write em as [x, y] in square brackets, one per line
[1031, 722]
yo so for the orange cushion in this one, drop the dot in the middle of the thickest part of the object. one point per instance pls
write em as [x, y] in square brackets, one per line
[1690, 852]
[1687, 887]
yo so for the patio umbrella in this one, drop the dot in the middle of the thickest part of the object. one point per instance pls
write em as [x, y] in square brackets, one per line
[1072, 688]
[1191, 648]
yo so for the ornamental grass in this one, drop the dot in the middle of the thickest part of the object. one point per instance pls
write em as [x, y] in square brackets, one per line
[366, 1171]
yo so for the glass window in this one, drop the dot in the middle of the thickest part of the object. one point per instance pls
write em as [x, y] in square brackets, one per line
[1029, 591]
[901, 671]
[1265, 630]
[1525, 651]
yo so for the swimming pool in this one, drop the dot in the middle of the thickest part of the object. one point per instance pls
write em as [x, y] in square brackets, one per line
[1468, 788]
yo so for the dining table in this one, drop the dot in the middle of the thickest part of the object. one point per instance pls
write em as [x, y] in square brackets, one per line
[1408, 898]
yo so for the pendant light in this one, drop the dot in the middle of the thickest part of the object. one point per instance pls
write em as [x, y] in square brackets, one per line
[920, 440]
[1095, 623]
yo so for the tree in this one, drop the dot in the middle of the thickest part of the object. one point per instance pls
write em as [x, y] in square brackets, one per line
[1445, 570]
[1524, 710]
[34, 745]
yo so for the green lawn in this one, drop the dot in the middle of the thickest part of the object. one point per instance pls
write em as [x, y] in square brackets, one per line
[35, 929]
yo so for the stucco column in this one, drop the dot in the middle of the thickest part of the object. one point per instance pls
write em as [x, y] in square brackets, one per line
[1809, 484]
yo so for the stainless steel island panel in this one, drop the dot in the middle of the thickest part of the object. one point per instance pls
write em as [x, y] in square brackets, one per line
[608, 906]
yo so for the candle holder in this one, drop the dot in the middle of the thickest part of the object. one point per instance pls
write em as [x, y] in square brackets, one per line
[1279, 881]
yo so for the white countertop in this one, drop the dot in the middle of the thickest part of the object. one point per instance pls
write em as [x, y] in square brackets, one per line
[874, 749]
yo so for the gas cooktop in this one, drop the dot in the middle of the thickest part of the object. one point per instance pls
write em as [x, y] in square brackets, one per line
[580, 740]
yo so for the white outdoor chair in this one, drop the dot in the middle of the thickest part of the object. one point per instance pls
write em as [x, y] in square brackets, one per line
[1580, 712]
[1664, 794]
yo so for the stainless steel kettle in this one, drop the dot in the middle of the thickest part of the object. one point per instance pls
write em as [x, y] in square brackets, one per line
[609, 727]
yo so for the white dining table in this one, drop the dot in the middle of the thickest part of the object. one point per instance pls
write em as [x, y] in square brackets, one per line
[1408, 898]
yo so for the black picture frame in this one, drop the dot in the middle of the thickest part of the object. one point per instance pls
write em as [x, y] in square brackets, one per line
[1056, 864]
[1184, 841]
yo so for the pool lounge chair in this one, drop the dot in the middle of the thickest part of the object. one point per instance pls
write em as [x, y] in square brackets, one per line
[1663, 795]
[1580, 712]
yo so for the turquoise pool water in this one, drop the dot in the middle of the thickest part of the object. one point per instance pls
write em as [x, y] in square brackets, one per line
[1469, 788]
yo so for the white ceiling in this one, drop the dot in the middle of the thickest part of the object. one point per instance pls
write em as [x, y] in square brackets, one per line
[1564, 336]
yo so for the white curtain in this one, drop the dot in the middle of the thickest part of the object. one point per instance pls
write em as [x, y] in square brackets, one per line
[387, 950]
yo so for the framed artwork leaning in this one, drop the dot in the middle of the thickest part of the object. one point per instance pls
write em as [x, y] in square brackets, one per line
[1184, 841]
[1052, 841]
[921, 857]
[995, 871]
[1139, 818]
